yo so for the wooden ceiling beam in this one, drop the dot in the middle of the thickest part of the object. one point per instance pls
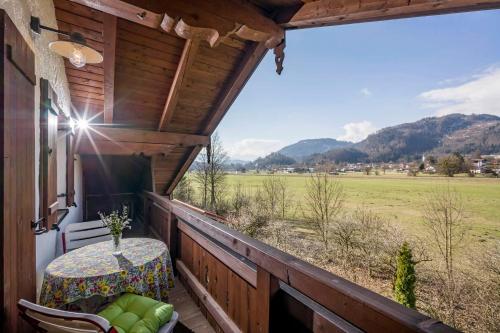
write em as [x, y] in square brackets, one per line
[185, 62]
[87, 147]
[125, 10]
[335, 12]
[106, 133]
[109, 37]
[210, 20]
[249, 63]
[235, 84]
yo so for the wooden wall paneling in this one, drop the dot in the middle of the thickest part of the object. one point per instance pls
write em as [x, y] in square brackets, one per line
[17, 128]
[80, 10]
[152, 34]
[92, 23]
[88, 34]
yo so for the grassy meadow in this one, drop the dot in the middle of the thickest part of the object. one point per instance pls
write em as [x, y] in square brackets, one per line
[397, 197]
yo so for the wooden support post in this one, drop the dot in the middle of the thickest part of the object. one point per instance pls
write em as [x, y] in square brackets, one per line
[187, 59]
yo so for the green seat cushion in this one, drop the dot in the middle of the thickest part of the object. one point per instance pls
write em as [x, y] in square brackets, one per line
[137, 314]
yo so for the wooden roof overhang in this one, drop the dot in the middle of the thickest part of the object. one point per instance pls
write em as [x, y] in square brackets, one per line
[172, 69]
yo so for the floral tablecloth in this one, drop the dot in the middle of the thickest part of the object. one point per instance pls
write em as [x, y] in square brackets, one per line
[143, 268]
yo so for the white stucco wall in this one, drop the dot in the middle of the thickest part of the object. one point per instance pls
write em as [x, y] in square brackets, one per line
[51, 67]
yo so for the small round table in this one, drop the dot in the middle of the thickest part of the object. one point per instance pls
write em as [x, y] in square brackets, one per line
[143, 268]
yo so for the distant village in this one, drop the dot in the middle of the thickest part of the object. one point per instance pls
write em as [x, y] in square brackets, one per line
[483, 164]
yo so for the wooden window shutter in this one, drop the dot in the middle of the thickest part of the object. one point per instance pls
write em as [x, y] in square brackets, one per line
[70, 169]
[49, 112]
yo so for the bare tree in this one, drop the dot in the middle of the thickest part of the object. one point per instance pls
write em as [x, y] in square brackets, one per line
[270, 191]
[285, 199]
[444, 217]
[184, 190]
[210, 174]
[324, 198]
[240, 199]
[345, 232]
[276, 192]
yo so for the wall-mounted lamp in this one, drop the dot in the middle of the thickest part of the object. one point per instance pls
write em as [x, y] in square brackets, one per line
[80, 123]
[75, 49]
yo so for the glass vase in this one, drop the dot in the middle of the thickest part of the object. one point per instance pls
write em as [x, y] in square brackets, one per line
[116, 242]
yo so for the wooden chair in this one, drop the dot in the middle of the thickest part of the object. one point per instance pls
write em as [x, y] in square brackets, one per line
[49, 320]
[77, 235]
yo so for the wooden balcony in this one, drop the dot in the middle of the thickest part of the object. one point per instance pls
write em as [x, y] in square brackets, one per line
[244, 285]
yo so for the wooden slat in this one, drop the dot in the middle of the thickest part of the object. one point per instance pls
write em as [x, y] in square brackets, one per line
[79, 10]
[187, 58]
[77, 20]
[222, 319]
[109, 34]
[81, 87]
[237, 265]
[84, 74]
[334, 12]
[263, 299]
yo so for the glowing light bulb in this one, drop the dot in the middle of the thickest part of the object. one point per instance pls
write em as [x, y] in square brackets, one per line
[72, 124]
[77, 57]
[82, 124]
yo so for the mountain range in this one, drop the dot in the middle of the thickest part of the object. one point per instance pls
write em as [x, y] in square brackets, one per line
[405, 142]
[308, 147]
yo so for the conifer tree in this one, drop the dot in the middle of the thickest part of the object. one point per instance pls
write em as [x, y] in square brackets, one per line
[404, 286]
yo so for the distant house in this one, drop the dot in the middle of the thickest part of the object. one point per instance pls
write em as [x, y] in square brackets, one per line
[477, 165]
[430, 169]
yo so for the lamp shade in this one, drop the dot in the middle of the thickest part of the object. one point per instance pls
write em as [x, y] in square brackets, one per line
[67, 49]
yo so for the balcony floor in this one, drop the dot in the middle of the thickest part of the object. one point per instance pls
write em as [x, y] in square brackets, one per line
[191, 318]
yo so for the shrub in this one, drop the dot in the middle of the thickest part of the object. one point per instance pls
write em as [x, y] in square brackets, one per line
[404, 287]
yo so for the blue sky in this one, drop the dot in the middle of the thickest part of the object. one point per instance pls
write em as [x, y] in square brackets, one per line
[348, 81]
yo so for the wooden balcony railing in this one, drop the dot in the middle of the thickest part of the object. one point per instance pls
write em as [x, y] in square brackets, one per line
[244, 285]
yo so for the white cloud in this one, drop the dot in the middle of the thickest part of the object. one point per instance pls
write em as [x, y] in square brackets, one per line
[250, 149]
[356, 132]
[366, 92]
[480, 94]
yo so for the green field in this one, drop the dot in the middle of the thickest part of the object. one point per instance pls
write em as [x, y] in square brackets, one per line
[399, 198]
